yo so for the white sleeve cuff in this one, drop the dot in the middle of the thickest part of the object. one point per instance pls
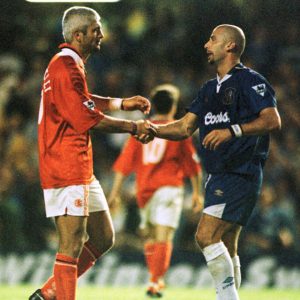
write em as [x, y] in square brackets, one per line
[115, 103]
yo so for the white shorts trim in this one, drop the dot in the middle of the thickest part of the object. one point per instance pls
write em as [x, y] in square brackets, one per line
[164, 208]
[215, 210]
[75, 200]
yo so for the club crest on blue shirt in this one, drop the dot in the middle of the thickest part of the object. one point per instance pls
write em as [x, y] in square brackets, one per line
[229, 95]
[260, 89]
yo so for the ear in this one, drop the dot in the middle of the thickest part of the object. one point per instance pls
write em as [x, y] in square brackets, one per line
[231, 46]
[77, 36]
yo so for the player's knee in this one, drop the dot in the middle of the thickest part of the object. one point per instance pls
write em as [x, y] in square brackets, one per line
[73, 243]
[110, 241]
[103, 244]
[202, 239]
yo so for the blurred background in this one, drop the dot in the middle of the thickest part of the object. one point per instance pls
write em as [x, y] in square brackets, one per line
[148, 43]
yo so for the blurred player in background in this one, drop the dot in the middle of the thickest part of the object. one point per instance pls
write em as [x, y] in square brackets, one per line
[72, 194]
[160, 168]
[235, 112]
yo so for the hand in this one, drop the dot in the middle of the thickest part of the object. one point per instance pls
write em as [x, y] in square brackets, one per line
[113, 202]
[136, 103]
[146, 131]
[197, 203]
[216, 137]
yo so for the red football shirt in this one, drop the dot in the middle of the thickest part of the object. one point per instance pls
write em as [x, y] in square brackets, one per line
[66, 115]
[156, 164]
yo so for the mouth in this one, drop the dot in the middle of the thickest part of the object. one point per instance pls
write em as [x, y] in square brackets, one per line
[210, 56]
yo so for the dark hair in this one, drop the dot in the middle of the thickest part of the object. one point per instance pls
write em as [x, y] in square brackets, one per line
[163, 97]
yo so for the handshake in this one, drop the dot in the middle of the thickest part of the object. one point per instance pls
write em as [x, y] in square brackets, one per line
[144, 131]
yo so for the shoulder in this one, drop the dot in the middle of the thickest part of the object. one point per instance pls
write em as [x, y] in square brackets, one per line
[208, 85]
[248, 74]
[62, 65]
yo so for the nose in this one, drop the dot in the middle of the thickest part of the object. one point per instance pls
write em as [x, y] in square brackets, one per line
[206, 45]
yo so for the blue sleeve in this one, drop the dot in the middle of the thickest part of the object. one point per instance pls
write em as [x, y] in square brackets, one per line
[259, 93]
[196, 105]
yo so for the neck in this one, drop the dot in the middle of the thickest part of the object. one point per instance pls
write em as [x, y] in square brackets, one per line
[84, 55]
[226, 65]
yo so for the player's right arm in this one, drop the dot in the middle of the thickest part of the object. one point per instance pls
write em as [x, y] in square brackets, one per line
[177, 130]
[110, 124]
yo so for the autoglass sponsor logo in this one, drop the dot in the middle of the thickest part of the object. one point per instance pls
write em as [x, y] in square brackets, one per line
[211, 119]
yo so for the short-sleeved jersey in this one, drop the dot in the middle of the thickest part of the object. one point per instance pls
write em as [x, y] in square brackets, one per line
[157, 164]
[236, 99]
[65, 117]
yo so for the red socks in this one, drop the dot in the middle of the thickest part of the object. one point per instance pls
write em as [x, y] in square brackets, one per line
[158, 258]
[65, 276]
[87, 259]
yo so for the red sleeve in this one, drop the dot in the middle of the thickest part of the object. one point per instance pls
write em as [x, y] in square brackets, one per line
[128, 160]
[71, 96]
[191, 165]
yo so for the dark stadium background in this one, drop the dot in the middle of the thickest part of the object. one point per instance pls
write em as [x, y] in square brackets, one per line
[148, 43]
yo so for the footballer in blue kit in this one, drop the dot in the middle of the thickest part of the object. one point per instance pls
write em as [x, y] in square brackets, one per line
[235, 167]
[235, 113]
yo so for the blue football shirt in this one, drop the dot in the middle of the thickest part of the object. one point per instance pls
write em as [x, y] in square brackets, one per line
[236, 99]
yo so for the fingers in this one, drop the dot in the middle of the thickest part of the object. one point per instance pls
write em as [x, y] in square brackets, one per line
[150, 127]
[144, 138]
[146, 107]
[215, 138]
[146, 131]
[197, 204]
[137, 103]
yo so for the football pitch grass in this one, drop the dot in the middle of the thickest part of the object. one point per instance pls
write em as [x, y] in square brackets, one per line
[138, 293]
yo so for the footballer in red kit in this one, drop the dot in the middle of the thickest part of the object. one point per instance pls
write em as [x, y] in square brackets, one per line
[72, 194]
[160, 167]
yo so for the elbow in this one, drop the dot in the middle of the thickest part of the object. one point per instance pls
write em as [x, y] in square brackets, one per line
[276, 124]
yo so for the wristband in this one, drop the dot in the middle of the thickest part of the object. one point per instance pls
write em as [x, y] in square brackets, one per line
[116, 104]
[122, 106]
[236, 130]
[134, 128]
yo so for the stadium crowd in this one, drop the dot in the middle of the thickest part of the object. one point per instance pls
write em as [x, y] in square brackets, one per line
[146, 43]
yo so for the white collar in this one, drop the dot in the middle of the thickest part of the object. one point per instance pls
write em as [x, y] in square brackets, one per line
[73, 54]
[220, 81]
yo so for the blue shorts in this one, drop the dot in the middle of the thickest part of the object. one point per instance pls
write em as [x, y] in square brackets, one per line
[232, 197]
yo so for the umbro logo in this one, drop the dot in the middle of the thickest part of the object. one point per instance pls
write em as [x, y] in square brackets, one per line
[260, 89]
[218, 193]
[228, 282]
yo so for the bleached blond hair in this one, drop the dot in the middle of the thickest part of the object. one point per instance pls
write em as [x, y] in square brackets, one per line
[77, 18]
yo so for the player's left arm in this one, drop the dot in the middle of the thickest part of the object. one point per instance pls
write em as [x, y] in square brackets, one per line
[267, 121]
[127, 104]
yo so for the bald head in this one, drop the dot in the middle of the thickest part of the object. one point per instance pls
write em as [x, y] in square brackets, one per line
[234, 34]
